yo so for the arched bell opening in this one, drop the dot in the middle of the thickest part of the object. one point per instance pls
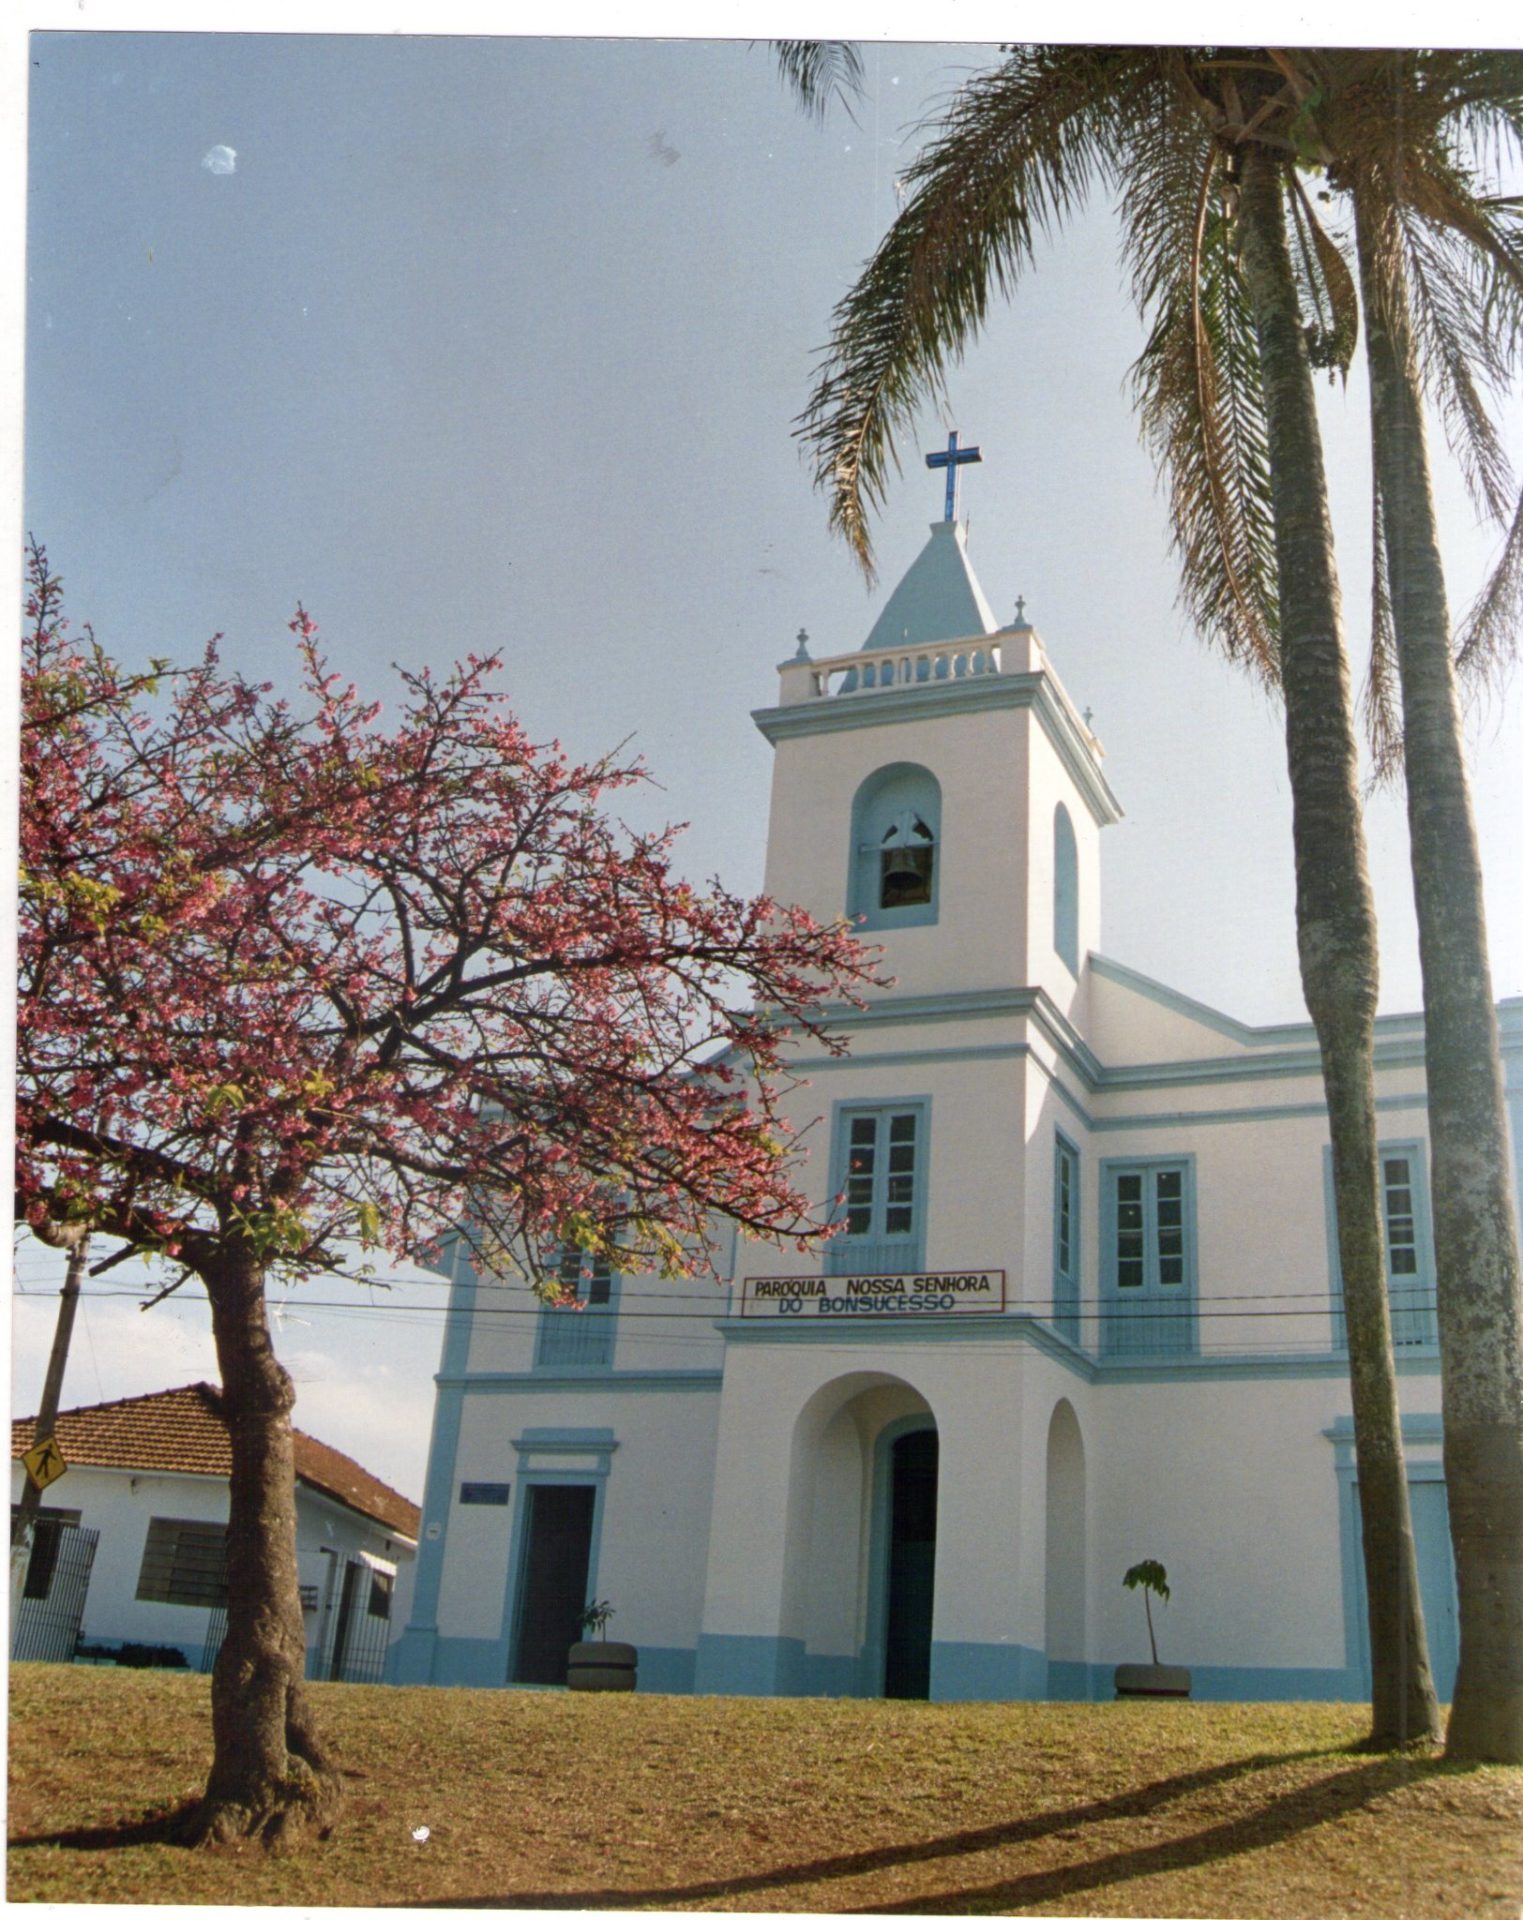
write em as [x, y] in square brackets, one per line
[896, 851]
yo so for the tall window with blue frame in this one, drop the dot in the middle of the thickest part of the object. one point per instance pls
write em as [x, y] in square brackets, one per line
[1148, 1258]
[1410, 1274]
[1065, 1239]
[579, 1333]
[880, 1174]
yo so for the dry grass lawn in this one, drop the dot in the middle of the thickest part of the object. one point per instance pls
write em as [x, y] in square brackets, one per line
[548, 1799]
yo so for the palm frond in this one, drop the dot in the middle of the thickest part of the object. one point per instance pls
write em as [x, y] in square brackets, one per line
[1451, 341]
[1325, 282]
[1487, 641]
[819, 71]
[1015, 152]
[1198, 389]
[1457, 253]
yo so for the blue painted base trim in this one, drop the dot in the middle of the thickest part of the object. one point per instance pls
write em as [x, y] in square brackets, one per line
[983, 1670]
[665, 1669]
[459, 1662]
[753, 1663]
[426, 1658]
[410, 1660]
[1069, 1680]
[1270, 1683]
[1227, 1683]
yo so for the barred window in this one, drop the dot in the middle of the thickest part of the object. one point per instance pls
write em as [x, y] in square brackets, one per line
[184, 1563]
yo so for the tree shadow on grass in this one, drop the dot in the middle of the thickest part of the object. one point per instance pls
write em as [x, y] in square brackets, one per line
[162, 1827]
[1310, 1806]
[1283, 1818]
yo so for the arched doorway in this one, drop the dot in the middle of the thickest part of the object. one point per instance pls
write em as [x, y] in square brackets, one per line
[910, 1569]
[860, 1540]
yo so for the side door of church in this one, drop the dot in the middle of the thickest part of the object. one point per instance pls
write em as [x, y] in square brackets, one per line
[557, 1554]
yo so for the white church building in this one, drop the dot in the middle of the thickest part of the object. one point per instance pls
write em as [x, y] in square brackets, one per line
[1085, 1309]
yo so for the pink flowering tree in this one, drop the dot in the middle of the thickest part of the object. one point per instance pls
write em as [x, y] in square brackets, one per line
[295, 984]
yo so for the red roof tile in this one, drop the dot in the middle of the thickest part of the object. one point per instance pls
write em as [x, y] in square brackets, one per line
[182, 1431]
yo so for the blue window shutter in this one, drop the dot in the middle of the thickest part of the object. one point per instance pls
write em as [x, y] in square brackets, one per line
[580, 1336]
[1147, 1257]
[1065, 1238]
[880, 1156]
[1411, 1277]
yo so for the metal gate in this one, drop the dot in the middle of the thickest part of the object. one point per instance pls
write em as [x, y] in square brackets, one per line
[356, 1627]
[52, 1604]
[216, 1633]
[216, 1629]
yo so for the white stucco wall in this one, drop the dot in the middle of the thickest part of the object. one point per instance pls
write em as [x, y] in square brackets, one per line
[119, 1506]
[652, 1525]
[979, 759]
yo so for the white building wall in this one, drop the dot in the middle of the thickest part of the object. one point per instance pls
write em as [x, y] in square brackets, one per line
[979, 759]
[119, 1505]
[651, 1531]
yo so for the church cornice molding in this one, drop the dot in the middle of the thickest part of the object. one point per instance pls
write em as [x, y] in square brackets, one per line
[994, 692]
[1278, 1053]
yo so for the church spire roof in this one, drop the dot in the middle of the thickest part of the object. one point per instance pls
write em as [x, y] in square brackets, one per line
[938, 599]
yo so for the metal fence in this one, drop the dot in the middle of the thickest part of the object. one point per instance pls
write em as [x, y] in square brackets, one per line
[46, 1626]
[355, 1628]
[216, 1633]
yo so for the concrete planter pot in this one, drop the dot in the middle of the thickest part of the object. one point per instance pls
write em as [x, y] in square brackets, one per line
[1149, 1681]
[601, 1666]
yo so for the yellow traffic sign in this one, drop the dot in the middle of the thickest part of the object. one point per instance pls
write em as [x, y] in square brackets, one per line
[44, 1464]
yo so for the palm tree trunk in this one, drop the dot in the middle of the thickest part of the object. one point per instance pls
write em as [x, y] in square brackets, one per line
[1480, 1304]
[270, 1773]
[1335, 925]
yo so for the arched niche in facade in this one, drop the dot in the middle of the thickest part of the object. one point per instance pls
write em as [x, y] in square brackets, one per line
[1065, 889]
[1066, 1635]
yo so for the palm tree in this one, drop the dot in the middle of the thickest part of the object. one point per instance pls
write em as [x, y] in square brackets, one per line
[1225, 388]
[1406, 136]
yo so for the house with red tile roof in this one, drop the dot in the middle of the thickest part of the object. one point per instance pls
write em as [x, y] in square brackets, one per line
[148, 1478]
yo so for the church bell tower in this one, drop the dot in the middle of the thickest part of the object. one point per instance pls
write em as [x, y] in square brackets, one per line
[938, 786]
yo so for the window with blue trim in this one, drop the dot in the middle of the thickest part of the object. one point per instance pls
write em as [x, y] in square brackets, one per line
[579, 1333]
[1410, 1273]
[1148, 1258]
[1065, 1239]
[1065, 889]
[880, 1157]
[896, 848]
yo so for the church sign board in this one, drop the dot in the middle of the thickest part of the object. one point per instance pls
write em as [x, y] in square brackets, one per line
[843, 1296]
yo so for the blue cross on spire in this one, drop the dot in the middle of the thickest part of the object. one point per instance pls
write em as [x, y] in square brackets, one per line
[952, 459]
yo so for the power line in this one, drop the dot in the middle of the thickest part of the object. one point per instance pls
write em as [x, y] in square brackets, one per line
[1317, 1306]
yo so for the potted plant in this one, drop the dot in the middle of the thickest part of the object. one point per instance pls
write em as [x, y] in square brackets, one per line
[601, 1665]
[1153, 1681]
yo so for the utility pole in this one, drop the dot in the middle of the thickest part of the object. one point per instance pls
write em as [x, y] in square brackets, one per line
[47, 1415]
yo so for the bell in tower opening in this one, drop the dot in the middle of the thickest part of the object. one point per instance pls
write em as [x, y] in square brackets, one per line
[905, 857]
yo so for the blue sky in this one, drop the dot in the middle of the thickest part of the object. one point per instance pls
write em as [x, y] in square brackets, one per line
[485, 343]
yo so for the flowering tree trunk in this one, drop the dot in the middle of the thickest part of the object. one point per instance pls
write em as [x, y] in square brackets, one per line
[1335, 923]
[270, 1773]
[1480, 1303]
[295, 986]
